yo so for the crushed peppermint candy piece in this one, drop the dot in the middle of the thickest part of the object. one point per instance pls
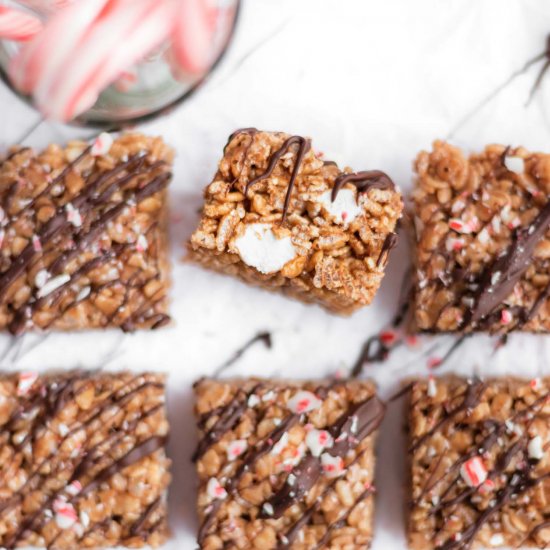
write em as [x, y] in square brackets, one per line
[388, 337]
[432, 387]
[268, 396]
[36, 244]
[304, 401]
[65, 514]
[236, 448]
[318, 440]
[506, 317]
[514, 164]
[41, 278]
[455, 244]
[84, 519]
[487, 486]
[26, 382]
[291, 480]
[496, 540]
[102, 144]
[141, 243]
[214, 489]
[74, 488]
[333, 466]
[73, 215]
[459, 226]
[268, 509]
[535, 384]
[535, 448]
[473, 472]
[53, 284]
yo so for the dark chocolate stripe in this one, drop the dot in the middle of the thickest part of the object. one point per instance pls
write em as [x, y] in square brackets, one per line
[499, 280]
[364, 181]
[304, 145]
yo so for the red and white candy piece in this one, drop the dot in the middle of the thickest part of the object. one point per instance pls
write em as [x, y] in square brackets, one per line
[280, 445]
[473, 472]
[236, 448]
[214, 489]
[102, 144]
[192, 37]
[506, 317]
[73, 215]
[454, 244]
[73, 488]
[141, 243]
[333, 466]
[18, 25]
[26, 382]
[36, 244]
[65, 514]
[304, 401]
[318, 440]
[459, 226]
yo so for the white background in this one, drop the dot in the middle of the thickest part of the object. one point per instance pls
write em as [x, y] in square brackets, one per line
[372, 82]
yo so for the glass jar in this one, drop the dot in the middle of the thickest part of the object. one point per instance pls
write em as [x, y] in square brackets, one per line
[147, 89]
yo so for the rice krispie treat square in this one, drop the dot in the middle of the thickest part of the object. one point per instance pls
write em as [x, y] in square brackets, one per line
[83, 240]
[276, 215]
[482, 240]
[286, 464]
[82, 460]
[479, 463]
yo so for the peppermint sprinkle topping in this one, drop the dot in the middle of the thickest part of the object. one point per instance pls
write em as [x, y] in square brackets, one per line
[253, 400]
[236, 448]
[268, 508]
[279, 447]
[514, 164]
[215, 489]
[318, 440]
[102, 144]
[26, 382]
[53, 284]
[65, 514]
[73, 215]
[84, 293]
[496, 540]
[141, 243]
[333, 466]
[473, 472]
[36, 244]
[304, 401]
[505, 317]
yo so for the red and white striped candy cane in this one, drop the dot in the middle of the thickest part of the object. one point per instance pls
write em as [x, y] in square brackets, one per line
[18, 25]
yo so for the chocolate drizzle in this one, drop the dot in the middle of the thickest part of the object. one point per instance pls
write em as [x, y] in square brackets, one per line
[490, 435]
[44, 404]
[97, 208]
[304, 145]
[499, 280]
[364, 181]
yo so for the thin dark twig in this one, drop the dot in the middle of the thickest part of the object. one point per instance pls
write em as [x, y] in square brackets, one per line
[264, 337]
[468, 116]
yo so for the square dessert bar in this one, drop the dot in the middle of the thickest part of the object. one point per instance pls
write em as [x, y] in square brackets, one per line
[482, 240]
[82, 460]
[286, 464]
[83, 241]
[479, 463]
[278, 216]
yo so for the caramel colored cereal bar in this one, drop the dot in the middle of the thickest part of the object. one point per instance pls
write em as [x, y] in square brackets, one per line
[479, 463]
[482, 240]
[276, 215]
[286, 464]
[83, 461]
[83, 235]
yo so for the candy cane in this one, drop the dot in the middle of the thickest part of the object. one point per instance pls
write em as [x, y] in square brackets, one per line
[18, 25]
[58, 42]
[117, 40]
[193, 37]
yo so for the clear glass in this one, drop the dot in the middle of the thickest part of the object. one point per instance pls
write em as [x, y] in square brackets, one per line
[147, 89]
